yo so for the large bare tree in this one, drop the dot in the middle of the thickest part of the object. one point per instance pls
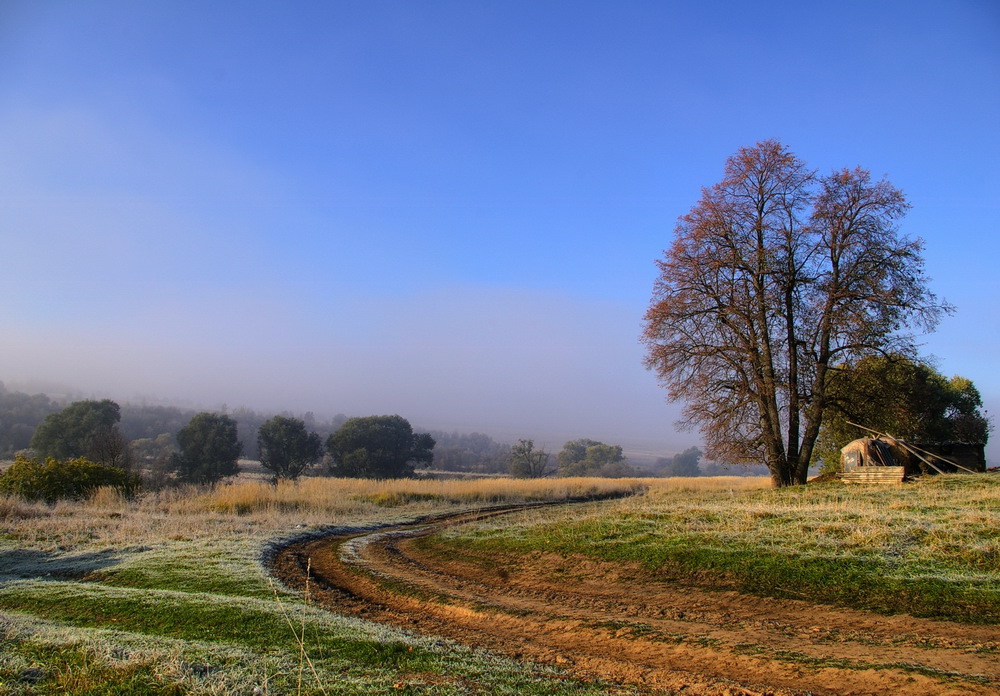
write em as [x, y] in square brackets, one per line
[774, 278]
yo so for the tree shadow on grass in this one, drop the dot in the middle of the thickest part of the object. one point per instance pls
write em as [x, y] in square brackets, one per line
[21, 564]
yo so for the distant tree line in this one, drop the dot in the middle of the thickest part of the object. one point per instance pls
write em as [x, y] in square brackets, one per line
[83, 445]
[172, 444]
[585, 457]
[152, 433]
[473, 452]
[20, 414]
[891, 393]
[681, 464]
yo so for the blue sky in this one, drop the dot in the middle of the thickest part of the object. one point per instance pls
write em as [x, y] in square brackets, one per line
[448, 210]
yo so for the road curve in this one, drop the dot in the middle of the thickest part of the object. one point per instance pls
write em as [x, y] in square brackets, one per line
[622, 624]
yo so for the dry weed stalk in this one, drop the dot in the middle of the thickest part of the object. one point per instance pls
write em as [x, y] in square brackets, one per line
[299, 633]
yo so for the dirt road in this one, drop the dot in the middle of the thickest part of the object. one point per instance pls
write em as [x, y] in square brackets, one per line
[621, 624]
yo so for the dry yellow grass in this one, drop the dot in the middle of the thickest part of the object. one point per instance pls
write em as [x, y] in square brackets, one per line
[255, 507]
[701, 484]
[342, 496]
[15, 508]
[946, 520]
[236, 512]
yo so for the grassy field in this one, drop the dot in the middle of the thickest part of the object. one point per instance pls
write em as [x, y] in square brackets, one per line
[929, 548]
[167, 595]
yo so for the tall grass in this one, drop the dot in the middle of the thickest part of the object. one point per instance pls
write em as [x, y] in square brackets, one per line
[340, 496]
[12, 507]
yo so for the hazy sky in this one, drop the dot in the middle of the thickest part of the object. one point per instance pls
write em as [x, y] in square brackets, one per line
[448, 210]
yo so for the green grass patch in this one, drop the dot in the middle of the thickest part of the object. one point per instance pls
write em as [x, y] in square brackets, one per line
[74, 670]
[53, 660]
[208, 568]
[165, 594]
[256, 625]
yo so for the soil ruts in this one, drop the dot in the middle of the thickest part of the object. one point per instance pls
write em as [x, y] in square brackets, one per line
[623, 624]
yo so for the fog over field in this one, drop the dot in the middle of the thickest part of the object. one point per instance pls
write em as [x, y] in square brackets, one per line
[447, 210]
[522, 370]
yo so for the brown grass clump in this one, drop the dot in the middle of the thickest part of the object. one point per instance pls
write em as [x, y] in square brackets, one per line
[13, 508]
[108, 498]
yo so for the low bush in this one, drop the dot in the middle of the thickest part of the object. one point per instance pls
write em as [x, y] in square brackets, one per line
[75, 479]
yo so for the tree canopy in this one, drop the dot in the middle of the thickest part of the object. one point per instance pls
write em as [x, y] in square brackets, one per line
[902, 397]
[286, 448]
[84, 429]
[378, 447]
[585, 457]
[774, 277]
[469, 452]
[20, 416]
[528, 462]
[209, 449]
[681, 464]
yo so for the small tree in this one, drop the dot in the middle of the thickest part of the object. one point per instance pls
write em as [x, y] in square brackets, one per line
[110, 446]
[592, 458]
[154, 459]
[84, 429]
[527, 462]
[378, 447]
[681, 464]
[286, 447]
[152, 452]
[209, 449]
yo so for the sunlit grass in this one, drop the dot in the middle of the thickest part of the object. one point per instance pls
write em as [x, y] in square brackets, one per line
[929, 548]
[339, 496]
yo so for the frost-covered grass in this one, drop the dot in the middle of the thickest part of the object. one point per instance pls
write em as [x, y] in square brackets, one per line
[67, 655]
[167, 595]
[930, 548]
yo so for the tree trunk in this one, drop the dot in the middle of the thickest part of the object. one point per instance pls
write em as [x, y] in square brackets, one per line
[782, 474]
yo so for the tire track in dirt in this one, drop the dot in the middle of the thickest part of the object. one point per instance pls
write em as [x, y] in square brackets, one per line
[621, 624]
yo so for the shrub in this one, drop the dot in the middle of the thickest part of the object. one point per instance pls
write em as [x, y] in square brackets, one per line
[74, 478]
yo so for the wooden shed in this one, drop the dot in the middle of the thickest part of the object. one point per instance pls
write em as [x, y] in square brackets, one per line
[887, 460]
[873, 460]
